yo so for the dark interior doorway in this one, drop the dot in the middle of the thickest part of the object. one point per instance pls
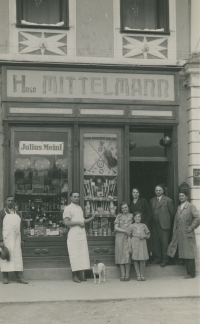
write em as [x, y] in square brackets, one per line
[146, 175]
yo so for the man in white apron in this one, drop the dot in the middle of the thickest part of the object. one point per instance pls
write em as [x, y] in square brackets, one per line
[77, 240]
[12, 236]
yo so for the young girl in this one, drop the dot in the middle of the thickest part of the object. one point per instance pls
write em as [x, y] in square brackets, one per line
[139, 234]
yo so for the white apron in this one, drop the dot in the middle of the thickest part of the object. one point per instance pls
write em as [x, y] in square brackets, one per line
[12, 240]
[77, 240]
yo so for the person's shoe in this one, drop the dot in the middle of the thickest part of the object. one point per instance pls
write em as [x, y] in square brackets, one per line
[5, 281]
[126, 279]
[163, 264]
[143, 278]
[22, 281]
[138, 278]
[76, 279]
[122, 279]
[81, 278]
[154, 262]
[189, 277]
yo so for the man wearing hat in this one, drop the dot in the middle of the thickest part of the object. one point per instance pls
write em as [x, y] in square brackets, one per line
[11, 237]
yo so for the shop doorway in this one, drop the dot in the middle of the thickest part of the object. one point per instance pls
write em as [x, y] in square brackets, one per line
[146, 175]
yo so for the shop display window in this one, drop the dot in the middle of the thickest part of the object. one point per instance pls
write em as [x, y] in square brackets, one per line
[41, 179]
[100, 180]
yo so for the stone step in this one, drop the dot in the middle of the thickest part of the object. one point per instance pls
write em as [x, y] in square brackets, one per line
[112, 272]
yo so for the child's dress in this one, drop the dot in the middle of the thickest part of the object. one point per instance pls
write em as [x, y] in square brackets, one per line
[139, 247]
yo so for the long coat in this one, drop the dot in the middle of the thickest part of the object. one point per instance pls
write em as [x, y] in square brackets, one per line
[165, 211]
[185, 242]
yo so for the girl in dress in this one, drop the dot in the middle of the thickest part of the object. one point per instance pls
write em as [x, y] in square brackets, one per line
[122, 246]
[139, 234]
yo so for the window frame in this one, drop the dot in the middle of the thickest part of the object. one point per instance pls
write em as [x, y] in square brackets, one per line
[165, 32]
[64, 14]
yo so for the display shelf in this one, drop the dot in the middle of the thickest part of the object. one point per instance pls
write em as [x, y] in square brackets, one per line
[101, 198]
[40, 194]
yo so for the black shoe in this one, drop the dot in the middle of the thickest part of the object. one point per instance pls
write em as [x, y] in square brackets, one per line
[189, 277]
[163, 264]
[81, 278]
[76, 279]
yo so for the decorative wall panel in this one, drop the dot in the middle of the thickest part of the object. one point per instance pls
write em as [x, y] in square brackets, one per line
[42, 43]
[142, 47]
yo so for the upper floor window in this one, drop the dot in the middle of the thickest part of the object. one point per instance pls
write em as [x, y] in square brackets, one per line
[144, 16]
[43, 13]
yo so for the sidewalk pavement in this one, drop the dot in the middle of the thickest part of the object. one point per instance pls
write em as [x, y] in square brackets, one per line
[112, 289]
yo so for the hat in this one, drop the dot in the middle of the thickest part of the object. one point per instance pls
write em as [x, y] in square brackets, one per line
[4, 253]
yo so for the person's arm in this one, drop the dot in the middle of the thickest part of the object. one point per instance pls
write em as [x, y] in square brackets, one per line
[118, 229]
[70, 223]
[171, 208]
[21, 228]
[196, 219]
[1, 229]
[146, 234]
[87, 220]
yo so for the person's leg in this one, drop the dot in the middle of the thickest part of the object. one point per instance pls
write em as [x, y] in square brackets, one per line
[156, 242]
[137, 269]
[164, 238]
[5, 277]
[127, 268]
[123, 273]
[75, 277]
[20, 278]
[142, 270]
[190, 268]
[81, 275]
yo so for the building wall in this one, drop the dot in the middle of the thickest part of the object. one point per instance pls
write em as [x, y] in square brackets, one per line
[4, 27]
[94, 28]
[183, 29]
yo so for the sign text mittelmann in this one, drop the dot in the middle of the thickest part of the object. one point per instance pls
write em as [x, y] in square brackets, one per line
[89, 85]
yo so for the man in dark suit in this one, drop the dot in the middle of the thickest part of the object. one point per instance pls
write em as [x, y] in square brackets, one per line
[163, 212]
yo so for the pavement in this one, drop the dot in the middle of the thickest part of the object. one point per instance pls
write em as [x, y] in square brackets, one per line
[111, 290]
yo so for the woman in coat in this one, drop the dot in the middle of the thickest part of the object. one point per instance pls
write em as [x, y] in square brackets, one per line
[186, 220]
[141, 205]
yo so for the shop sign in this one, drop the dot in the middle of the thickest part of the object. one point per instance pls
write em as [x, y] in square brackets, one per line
[89, 85]
[41, 148]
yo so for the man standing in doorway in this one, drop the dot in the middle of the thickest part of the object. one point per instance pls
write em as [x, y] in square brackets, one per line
[12, 236]
[163, 212]
[77, 240]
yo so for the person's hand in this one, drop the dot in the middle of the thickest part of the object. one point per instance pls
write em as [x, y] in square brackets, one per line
[1, 243]
[142, 236]
[81, 224]
[188, 229]
[127, 233]
[22, 244]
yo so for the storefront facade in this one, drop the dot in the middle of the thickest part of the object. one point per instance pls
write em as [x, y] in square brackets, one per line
[99, 131]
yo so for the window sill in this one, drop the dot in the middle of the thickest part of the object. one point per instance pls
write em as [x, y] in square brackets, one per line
[150, 32]
[42, 27]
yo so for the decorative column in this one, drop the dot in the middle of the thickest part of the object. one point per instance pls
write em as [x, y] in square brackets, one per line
[192, 70]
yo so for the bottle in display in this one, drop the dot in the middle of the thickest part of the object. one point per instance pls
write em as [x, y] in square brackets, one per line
[50, 221]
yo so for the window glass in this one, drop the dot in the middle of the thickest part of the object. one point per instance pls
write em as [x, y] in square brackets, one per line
[41, 11]
[146, 145]
[100, 181]
[148, 15]
[41, 180]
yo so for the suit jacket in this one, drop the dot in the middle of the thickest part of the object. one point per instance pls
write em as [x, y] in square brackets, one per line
[166, 211]
[2, 215]
[186, 242]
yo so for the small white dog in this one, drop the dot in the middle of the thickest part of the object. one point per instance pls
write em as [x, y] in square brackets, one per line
[98, 268]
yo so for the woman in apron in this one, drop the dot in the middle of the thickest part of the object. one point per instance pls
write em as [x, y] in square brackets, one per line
[11, 235]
